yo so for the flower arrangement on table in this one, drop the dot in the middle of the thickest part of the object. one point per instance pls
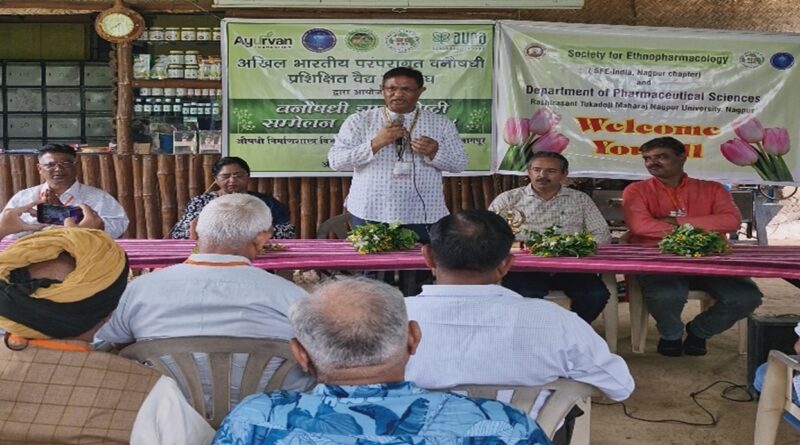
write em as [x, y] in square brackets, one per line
[525, 136]
[759, 147]
[377, 237]
[551, 242]
[687, 240]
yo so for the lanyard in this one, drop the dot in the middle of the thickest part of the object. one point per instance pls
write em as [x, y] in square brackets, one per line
[48, 344]
[677, 206]
[400, 150]
[213, 264]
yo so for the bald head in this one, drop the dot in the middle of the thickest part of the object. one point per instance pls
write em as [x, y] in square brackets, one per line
[352, 323]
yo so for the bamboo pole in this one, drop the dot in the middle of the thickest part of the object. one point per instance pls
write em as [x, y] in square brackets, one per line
[208, 167]
[18, 181]
[107, 181]
[32, 176]
[123, 167]
[195, 173]
[466, 199]
[308, 227]
[323, 202]
[90, 168]
[166, 186]
[294, 203]
[335, 197]
[475, 193]
[181, 185]
[280, 191]
[487, 184]
[150, 197]
[6, 185]
[138, 205]
[124, 55]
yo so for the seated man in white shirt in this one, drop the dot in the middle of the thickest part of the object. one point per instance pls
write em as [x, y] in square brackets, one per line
[478, 332]
[58, 166]
[216, 291]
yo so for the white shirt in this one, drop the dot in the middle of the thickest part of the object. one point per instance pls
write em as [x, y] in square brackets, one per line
[196, 300]
[107, 208]
[165, 417]
[376, 193]
[487, 334]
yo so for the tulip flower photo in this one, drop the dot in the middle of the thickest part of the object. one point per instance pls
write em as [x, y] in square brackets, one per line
[525, 136]
[759, 147]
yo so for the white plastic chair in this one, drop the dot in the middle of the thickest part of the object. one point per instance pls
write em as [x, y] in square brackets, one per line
[610, 312]
[564, 395]
[776, 397]
[639, 315]
[175, 357]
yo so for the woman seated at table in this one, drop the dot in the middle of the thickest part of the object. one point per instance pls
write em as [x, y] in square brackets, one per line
[231, 175]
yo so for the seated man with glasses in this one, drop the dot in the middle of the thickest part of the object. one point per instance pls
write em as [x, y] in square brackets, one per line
[546, 203]
[58, 167]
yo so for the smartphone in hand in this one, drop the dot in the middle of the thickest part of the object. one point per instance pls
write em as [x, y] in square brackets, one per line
[56, 214]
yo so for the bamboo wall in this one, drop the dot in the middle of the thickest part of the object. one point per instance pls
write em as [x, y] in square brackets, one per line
[154, 189]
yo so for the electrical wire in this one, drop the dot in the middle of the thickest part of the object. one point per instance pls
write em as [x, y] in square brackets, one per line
[693, 395]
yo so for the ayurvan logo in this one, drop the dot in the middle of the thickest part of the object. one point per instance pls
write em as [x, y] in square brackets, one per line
[402, 40]
[270, 40]
[751, 59]
[361, 40]
[319, 40]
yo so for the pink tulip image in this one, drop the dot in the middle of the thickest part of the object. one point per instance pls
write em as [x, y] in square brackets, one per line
[543, 120]
[776, 141]
[552, 141]
[749, 129]
[739, 152]
[517, 130]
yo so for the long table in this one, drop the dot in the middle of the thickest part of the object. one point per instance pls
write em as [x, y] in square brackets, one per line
[751, 261]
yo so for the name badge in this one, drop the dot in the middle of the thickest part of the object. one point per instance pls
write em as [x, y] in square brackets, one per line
[677, 213]
[401, 169]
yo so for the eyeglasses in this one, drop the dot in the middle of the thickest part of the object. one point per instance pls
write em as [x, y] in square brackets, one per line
[226, 176]
[63, 164]
[404, 90]
[546, 171]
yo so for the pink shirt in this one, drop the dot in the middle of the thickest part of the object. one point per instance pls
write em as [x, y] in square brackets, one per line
[706, 204]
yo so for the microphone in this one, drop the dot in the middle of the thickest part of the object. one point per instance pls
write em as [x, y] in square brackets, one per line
[398, 143]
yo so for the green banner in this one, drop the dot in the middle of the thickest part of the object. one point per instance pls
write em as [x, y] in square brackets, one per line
[290, 85]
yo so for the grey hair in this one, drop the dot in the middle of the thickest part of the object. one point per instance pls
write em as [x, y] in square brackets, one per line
[351, 323]
[233, 220]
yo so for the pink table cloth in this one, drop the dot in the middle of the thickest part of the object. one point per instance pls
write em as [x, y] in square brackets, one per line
[751, 261]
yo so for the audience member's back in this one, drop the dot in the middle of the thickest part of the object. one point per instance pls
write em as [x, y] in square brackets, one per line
[214, 292]
[477, 332]
[354, 337]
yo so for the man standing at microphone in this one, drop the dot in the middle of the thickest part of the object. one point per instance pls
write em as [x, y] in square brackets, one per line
[397, 154]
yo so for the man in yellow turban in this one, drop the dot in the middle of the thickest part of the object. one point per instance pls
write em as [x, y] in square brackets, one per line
[57, 287]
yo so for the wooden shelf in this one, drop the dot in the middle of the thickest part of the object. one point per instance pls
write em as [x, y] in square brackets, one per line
[176, 83]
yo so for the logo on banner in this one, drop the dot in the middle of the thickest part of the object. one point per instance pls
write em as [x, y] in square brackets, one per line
[319, 40]
[270, 40]
[782, 61]
[459, 40]
[402, 40]
[752, 59]
[361, 40]
[534, 50]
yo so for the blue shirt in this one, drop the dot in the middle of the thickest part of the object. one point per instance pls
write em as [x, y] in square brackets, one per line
[370, 414]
